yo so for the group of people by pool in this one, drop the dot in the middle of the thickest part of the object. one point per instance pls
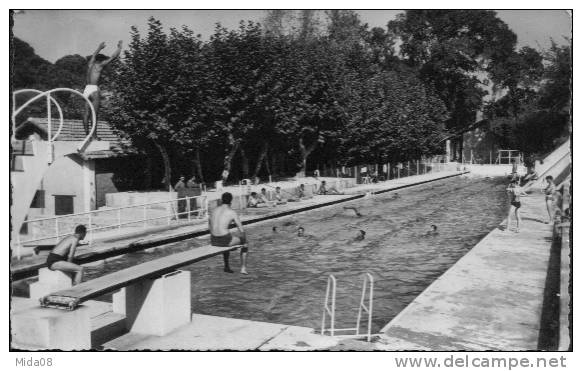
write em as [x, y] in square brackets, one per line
[223, 217]
[263, 199]
[516, 192]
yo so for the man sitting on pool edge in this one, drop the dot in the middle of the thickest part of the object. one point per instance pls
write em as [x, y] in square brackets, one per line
[220, 235]
[323, 190]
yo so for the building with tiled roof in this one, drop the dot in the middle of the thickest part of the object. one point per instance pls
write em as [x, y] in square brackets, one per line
[77, 182]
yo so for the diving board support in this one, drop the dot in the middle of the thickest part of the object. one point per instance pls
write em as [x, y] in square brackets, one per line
[156, 306]
[71, 298]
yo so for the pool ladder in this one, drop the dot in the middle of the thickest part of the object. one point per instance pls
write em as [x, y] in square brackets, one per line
[329, 308]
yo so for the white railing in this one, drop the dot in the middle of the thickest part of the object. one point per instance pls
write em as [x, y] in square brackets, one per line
[50, 100]
[94, 224]
[329, 308]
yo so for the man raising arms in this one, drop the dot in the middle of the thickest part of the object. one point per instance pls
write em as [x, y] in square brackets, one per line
[96, 64]
[220, 235]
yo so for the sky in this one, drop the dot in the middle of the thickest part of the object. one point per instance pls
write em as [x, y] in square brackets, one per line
[56, 33]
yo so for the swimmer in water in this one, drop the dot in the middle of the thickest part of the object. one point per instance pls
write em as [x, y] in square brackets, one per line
[433, 230]
[300, 232]
[353, 208]
[396, 195]
[361, 235]
[274, 229]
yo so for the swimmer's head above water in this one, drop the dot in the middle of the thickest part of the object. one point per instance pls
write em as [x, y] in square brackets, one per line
[300, 231]
[361, 235]
[433, 228]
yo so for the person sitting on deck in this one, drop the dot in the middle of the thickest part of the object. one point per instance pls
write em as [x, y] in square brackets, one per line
[264, 198]
[323, 190]
[302, 193]
[220, 235]
[61, 256]
[255, 201]
[279, 197]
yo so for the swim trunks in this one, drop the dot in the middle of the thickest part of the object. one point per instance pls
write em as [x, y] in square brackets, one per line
[221, 241]
[224, 241]
[90, 89]
[53, 258]
[517, 204]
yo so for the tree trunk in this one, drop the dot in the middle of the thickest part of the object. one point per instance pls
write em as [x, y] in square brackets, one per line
[305, 152]
[167, 167]
[147, 179]
[228, 158]
[261, 159]
[198, 166]
[245, 164]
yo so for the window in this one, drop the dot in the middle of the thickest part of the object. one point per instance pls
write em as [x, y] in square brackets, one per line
[64, 205]
[38, 200]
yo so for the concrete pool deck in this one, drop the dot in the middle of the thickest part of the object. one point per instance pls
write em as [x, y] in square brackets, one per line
[114, 247]
[491, 299]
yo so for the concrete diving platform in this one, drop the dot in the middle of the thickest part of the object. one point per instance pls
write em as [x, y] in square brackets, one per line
[491, 299]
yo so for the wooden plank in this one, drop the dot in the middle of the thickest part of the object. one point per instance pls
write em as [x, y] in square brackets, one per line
[71, 297]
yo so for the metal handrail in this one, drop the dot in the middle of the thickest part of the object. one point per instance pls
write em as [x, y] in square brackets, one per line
[202, 209]
[48, 93]
[368, 309]
[331, 288]
[53, 100]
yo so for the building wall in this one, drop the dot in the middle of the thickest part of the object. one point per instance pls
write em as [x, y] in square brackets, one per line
[118, 174]
[65, 177]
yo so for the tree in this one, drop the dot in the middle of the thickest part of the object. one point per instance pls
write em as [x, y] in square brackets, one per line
[534, 112]
[148, 103]
[451, 48]
[392, 117]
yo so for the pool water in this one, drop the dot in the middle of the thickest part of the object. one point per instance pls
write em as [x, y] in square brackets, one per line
[288, 274]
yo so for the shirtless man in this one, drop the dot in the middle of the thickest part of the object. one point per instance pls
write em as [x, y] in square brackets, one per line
[220, 235]
[255, 201]
[324, 190]
[61, 256]
[96, 64]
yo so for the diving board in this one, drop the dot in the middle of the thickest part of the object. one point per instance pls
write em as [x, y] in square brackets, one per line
[72, 297]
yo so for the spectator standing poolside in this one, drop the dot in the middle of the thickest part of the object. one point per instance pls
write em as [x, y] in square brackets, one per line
[515, 193]
[549, 192]
[194, 190]
[180, 188]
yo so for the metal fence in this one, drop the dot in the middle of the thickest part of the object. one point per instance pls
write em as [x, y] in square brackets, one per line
[142, 215]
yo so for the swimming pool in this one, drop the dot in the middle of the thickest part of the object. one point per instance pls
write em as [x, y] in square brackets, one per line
[288, 274]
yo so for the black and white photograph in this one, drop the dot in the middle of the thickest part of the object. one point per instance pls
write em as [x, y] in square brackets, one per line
[293, 180]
